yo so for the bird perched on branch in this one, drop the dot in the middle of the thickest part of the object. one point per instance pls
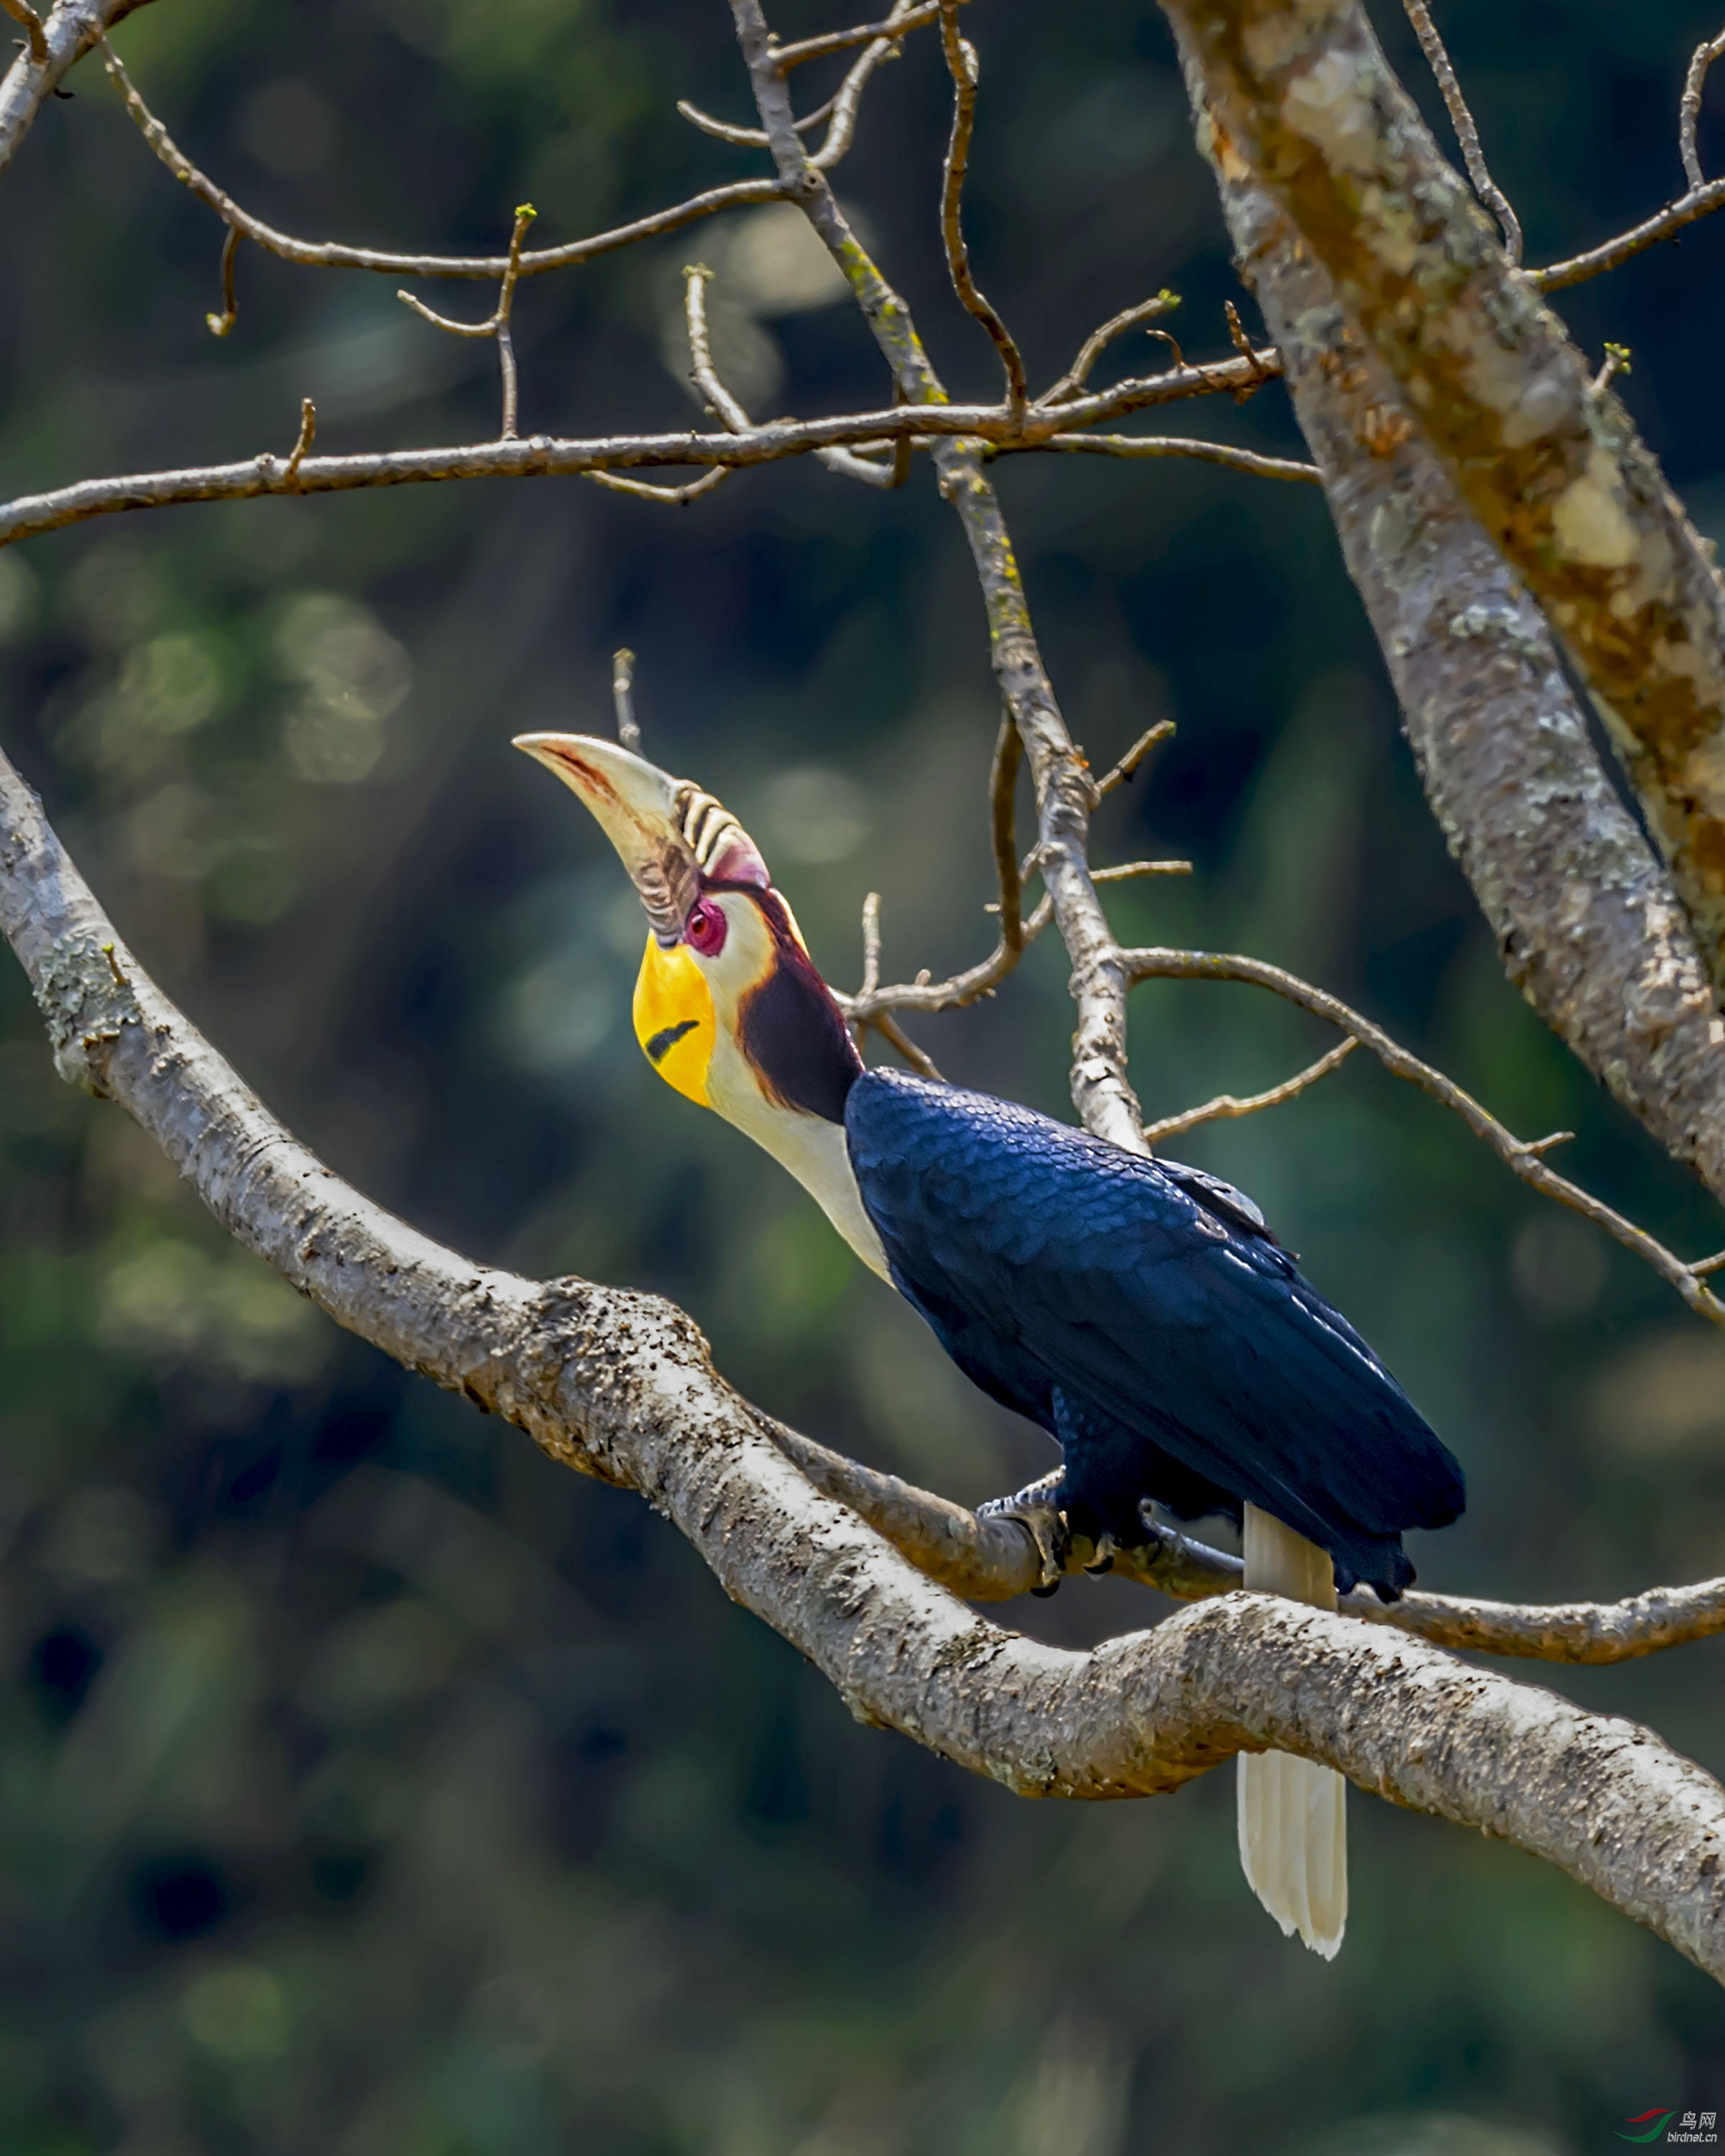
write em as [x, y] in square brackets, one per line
[1139, 1311]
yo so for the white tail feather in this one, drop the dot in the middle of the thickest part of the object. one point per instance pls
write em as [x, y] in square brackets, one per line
[1293, 1825]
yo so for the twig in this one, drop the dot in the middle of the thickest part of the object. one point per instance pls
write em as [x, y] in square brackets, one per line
[1003, 800]
[1227, 1106]
[1616, 361]
[990, 1559]
[308, 435]
[599, 459]
[963, 66]
[1523, 1157]
[786, 57]
[1664, 224]
[724, 405]
[871, 945]
[1094, 346]
[1121, 773]
[843, 105]
[1241, 339]
[35, 36]
[496, 323]
[524, 216]
[1128, 871]
[219, 325]
[889, 1029]
[1689, 107]
[673, 497]
[334, 254]
[623, 698]
[745, 138]
[1173, 445]
[1467, 134]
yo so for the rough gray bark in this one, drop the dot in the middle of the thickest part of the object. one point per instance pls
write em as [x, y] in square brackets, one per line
[1585, 916]
[71, 29]
[1297, 92]
[991, 1559]
[621, 1386]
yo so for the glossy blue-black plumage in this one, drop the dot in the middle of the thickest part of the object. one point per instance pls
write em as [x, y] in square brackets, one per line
[1140, 1311]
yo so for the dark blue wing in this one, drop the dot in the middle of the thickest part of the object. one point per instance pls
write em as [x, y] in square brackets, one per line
[1082, 1284]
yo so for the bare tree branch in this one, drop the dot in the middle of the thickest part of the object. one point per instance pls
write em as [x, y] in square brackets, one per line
[621, 1386]
[1098, 343]
[1523, 1157]
[1557, 474]
[27, 18]
[1173, 445]
[1689, 109]
[72, 27]
[1612, 254]
[1582, 909]
[1225, 1106]
[963, 66]
[1101, 1089]
[992, 1558]
[623, 698]
[1467, 133]
[902, 19]
[540, 456]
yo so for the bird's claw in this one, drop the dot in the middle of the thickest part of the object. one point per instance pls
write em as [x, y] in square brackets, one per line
[1042, 1519]
[1106, 1550]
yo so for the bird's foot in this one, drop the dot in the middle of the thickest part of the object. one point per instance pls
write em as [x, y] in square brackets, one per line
[1037, 1510]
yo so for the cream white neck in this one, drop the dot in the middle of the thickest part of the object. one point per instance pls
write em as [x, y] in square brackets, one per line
[813, 1149]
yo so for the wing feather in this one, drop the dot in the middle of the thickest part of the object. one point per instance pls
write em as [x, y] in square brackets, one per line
[1150, 1293]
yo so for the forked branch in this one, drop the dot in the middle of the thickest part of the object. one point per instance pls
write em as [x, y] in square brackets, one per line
[620, 1386]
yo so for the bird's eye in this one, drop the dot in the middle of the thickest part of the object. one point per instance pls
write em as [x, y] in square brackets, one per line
[704, 931]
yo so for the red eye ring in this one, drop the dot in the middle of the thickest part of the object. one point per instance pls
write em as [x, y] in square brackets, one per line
[704, 931]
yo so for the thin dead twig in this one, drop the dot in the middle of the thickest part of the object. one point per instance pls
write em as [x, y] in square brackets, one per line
[1610, 254]
[1225, 1106]
[871, 945]
[1174, 445]
[1616, 361]
[1524, 1157]
[1098, 343]
[1002, 824]
[1689, 107]
[600, 460]
[308, 435]
[1122, 772]
[623, 698]
[335, 254]
[786, 57]
[890, 1030]
[963, 66]
[219, 325]
[672, 497]
[724, 407]
[1467, 133]
[1129, 871]
[746, 138]
[35, 37]
[496, 324]
[843, 105]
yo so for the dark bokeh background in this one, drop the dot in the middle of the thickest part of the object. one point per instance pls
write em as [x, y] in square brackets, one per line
[368, 1783]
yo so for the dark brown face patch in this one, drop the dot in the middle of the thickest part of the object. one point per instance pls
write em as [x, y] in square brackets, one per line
[791, 1031]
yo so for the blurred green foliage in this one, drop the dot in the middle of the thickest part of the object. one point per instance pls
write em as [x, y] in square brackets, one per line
[368, 1783]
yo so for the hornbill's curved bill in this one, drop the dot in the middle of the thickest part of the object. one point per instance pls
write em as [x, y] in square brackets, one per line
[1139, 1311]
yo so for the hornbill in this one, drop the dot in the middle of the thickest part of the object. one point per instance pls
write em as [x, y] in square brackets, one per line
[1139, 1311]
